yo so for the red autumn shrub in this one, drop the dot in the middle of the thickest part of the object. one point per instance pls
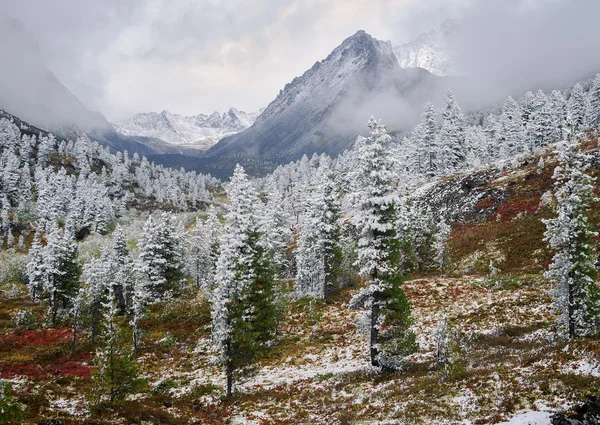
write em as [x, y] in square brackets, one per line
[73, 369]
[515, 206]
[36, 337]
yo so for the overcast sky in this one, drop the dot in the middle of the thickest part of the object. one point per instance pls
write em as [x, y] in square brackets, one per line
[191, 56]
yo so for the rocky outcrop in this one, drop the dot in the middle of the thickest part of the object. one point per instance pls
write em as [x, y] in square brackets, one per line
[463, 198]
[586, 413]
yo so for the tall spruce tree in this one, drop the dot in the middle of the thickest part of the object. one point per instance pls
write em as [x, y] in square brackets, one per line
[576, 293]
[541, 127]
[243, 310]
[512, 132]
[274, 223]
[576, 107]
[160, 260]
[427, 150]
[53, 270]
[116, 373]
[378, 249]
[318, 255]
[559, 113]
[594, 100]
[452, 136]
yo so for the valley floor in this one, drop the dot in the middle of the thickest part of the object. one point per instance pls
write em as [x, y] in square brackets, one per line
[506, 362]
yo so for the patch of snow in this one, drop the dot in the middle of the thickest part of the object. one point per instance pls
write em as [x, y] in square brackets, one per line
[529, 418]
[313, 366]
[467, 402]
[73, 406]
[584, 367]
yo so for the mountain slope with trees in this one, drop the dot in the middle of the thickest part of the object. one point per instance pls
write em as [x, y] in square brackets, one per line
[450, 277]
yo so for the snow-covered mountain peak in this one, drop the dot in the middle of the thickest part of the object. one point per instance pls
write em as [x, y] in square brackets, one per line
[359, 54]
[364, 46]
[432, 50]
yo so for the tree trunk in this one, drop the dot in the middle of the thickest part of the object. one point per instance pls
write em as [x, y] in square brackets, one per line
[54, 307]
[571, 312]
[229, 373]
[374, 330]
[326, 271]
[443, 265]
[94, 324]
[135, 337]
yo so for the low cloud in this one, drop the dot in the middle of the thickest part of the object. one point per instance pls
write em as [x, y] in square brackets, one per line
[517, 45]
[127, 56]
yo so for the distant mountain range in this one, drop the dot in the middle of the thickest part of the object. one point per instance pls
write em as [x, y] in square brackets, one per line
[198, 132]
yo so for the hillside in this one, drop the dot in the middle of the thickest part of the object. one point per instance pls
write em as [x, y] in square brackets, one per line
[506, 359]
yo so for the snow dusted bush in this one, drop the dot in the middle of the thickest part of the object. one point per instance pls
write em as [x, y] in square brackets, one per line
[24, 319]
[165, 386]
[13, 268]
[10, 409]
[547, 200]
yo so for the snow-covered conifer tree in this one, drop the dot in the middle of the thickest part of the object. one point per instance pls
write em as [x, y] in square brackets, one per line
[36, 270]
[441, 245]
[527, 104]
[318, 256]
[274, 223]
[243, 312]
[53, 270]
[452, 136]
[512, 134]
[425, 142]
[541, 126]
[160, 259]
[594, 100]
[576, 293]
[375, 218]
[559, 113]
[197, 254]
[576, 107]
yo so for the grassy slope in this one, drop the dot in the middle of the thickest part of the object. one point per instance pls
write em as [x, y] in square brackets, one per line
[318, 373]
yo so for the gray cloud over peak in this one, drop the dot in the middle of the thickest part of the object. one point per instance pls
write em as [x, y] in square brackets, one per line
[191, 56]
[127, 56]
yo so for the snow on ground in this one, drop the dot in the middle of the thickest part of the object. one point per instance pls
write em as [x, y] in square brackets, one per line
[74, 406]
[311, 366]
[327, 361]
[583, 367]
[529, 418]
